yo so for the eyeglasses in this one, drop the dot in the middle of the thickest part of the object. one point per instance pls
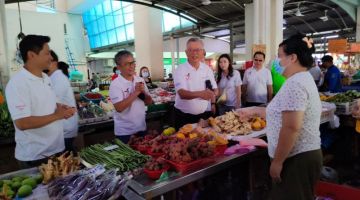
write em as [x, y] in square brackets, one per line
[128, 64]
[194, 50]
[256, 60]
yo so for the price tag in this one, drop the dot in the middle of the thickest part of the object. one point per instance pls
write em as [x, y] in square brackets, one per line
[111, 147]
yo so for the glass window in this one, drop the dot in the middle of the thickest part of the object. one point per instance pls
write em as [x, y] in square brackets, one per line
[120, 33]
[112, 37]
[185, 23]
[127, 9]
[116, 5]
[97, 41]
[170, 21]
[92, 15]
[85, 17]
[125, 4]
[89, 30]
[99, 11]
[107, 7]
[118, 18]
[104, 39]
[95, 27]
[129, 18]
[109, 20]
[92, 42]
[130, 31]
[101, 24]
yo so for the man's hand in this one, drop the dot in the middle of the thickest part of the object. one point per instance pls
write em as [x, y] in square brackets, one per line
[213, 109]
[139, 87]
[64, 112]
[207, 94]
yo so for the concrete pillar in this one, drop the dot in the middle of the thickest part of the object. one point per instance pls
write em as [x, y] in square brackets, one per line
[276, 26]
[4, 68]
[149, 40]
[263, 26]
[358, 24]
[249, 30]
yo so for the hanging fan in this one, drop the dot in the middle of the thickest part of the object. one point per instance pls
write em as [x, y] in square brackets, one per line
[208, 2]
[298, 11]
[325, 17]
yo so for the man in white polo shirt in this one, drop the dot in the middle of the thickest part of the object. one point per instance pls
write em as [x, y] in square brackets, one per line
[33, 106]
[195, 86]
[129, 95]
[257, 83]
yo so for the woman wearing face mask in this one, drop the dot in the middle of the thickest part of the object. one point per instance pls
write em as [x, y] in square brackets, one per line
[116, 73]
[293, 120]
[229, 82]
[145, 74]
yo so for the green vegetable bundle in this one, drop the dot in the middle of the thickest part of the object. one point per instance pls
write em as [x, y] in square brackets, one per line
[6, 124]
[122, 156]
[348, 96]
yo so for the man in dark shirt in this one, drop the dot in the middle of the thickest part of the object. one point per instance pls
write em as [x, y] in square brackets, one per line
[332, 79]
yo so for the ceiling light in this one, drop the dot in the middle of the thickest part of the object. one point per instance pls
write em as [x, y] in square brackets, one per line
[332, 36]
[205, 2]
[298, 12]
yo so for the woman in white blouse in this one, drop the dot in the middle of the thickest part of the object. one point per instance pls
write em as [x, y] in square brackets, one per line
[293, 120]
[229, 83]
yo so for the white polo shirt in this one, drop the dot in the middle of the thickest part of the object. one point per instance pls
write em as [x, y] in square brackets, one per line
[230, 86]
[188, 78]
[132, 119]
[28, 95]
[257, 82]
[65, 95]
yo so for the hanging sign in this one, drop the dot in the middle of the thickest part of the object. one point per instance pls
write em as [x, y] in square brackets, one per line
[337, 46]
[259, 47]
[355, 47]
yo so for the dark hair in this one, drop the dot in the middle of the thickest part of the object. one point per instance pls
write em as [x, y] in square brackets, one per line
[114, 69]
[54, 56]
[144, 67]
[64, 67]
[296, 45]
[231, 69]
[34, 43]
[259, 53]
[120, 55]
[327, 58]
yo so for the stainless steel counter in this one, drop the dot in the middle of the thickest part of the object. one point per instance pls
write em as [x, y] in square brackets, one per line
[141, 187]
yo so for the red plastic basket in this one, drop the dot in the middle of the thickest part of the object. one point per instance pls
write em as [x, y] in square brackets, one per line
[155, 174]
[185, 167]
[336, 192]
[141, 148]
[220, 149]
[154, 155]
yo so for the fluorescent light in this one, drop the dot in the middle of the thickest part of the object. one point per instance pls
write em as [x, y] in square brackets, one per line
[332, 36]
[224, 37]
[209, 36]
[284, 28]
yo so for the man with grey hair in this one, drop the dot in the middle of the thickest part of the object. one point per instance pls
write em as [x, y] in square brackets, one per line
[195, 86]
[129, 95]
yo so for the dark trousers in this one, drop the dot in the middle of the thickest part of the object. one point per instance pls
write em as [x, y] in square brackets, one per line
[298, 177]
[182, 118]
[125, 138]
[250, 104]
[69, 145]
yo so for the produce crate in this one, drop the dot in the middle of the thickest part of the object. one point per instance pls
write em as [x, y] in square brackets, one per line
[328, 112]
[186, 167]
[344, 108]
[155, 174]
[96, 101]
[336, 192]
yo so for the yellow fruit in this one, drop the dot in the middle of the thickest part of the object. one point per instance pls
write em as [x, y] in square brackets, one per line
[256, 125]
[211, 142]
[193, 135]
[180, 135]
[263, 123]
[169, 131]
[220, 140]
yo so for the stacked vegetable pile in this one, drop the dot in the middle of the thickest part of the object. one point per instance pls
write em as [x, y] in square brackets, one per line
[20, 186]
[119, 156]
[348, 96]
[6, 124]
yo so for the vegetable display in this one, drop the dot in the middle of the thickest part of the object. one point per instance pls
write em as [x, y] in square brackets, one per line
[348, 96]
[6, 124]
[119, 156]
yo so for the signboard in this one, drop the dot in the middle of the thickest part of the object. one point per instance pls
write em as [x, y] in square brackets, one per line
[259, 47]
[355, 47]
[337, 46]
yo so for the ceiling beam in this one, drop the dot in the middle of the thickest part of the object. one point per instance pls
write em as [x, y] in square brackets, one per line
[14, 1]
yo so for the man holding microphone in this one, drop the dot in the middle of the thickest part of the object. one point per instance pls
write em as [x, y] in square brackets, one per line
[129, 95]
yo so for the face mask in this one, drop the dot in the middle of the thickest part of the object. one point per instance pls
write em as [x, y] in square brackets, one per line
[117, 72]
[145, 74]
[278, 68]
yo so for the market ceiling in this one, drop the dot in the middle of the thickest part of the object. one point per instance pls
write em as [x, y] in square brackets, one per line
[214, 17]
